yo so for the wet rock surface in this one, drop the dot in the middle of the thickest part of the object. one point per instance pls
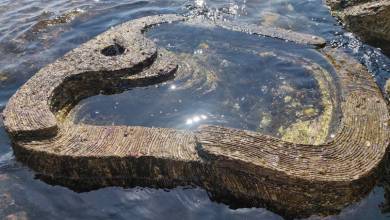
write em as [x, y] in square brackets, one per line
[57, 20]
[20, 61]
[369, 19]
[231, 163]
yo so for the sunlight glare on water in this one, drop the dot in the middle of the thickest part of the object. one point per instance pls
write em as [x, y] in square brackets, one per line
[217, 83]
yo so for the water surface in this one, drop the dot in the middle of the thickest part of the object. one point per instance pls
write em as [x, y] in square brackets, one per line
[244, 81]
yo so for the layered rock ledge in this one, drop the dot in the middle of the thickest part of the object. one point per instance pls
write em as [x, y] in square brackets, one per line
[245, 167]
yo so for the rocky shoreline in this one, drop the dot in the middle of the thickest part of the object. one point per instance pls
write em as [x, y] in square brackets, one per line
[368, 19]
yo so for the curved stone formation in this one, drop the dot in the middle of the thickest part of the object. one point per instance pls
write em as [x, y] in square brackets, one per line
[252, 168]
[273, 32]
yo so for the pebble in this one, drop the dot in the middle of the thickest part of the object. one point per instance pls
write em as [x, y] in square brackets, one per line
[3, 77]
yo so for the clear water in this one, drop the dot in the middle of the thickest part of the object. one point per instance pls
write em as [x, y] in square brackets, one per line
[27, 44]
[233, 83]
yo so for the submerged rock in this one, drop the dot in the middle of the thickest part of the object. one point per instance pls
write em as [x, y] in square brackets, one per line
[369, 19]
[269, 18]
[17, 216]
[3, 77]
[61, 19]
[3, 177]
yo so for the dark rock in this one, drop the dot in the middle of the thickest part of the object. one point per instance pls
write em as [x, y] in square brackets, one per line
[61, 19]
[369, 19]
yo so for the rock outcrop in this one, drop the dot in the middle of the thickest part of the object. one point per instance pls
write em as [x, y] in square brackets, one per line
[369, 19]
[252, 168]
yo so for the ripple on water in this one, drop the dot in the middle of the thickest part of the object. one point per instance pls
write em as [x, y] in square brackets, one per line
[238, 82]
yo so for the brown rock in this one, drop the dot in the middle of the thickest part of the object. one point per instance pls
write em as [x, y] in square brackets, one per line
[249, 167]
[369, 19]
[3, 77]
[62, 19]
[387, 87]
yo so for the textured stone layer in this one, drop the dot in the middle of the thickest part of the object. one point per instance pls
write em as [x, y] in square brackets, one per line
[236, 165]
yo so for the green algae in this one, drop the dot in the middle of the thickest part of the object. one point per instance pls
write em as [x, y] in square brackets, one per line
[314, 131]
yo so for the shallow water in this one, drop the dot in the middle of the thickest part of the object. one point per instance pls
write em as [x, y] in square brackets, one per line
[34, 33]
[235, 83]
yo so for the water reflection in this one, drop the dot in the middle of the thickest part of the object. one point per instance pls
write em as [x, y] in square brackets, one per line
[195, 119]
[237, 82]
